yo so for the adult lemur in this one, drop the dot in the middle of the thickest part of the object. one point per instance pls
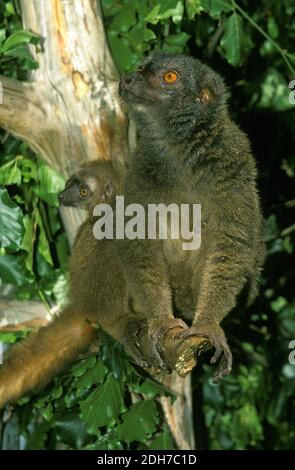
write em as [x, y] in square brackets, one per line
[190, 151]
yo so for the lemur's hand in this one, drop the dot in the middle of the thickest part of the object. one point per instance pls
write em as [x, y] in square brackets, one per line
[157, 329]
[215, 335]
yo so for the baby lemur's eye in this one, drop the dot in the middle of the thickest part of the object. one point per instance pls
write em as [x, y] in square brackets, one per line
[171, 76]
[84, 191]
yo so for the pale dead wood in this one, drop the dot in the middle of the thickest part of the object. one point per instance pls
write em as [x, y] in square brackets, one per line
[16, 315]
[180, 410]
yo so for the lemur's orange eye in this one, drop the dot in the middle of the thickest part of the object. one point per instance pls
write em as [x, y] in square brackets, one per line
[171, 76]
[84, 191]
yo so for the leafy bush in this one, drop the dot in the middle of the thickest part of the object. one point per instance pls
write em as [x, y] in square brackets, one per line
[103, 402]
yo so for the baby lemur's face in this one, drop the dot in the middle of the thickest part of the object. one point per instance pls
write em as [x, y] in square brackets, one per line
[78, 191]
[88, 187]
[171, 82]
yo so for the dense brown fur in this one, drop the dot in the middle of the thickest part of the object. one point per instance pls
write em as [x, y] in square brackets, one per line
[189, 151]
[98, 296]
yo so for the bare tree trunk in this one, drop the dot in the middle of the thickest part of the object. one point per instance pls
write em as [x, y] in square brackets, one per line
[179, 414]
[69, 113]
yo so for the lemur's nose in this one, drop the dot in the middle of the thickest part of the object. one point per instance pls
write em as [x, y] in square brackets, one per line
[61, 197]
[128, 80]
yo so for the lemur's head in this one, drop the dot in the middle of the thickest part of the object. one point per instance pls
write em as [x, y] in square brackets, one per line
[94, 183]
[175, 86]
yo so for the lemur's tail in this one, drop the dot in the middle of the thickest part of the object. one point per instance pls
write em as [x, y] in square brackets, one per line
[31, 363]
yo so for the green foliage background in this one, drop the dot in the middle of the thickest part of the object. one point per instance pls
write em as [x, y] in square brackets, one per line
[103, 402]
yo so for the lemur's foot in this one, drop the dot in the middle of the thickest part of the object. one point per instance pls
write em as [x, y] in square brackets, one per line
[157, 329]
[215, 335]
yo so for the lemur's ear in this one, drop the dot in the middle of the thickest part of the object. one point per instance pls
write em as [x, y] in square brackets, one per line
[212, 88]
[205, 95]
[109, 190]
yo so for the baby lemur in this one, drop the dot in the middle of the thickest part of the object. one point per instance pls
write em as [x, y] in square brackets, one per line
[95, 182]
[97, 295]
[189, 151]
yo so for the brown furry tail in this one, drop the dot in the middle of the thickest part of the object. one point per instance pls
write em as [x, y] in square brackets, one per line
[31, 363]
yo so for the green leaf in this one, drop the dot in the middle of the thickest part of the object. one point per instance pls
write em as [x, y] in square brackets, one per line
[43, 244]
[216, 7]
[9, 9]
[103, 406]
[151, 389]
[139, 422]
[111, 7]
[18, 38]
[29, 170]
[124, 57]
[166, 9]
[235, 42]
[272, 28]
[53, 220]
[48, 412]
[28, 241]
[10, 337]
[71, 430]
[109, 441]
[11, 270]
[2, 36]
[248, 426]
[56, 392]
[62, 249]
[278, 304]
[193, 8]
[21, 52]
[177, 12]
[36, 440]
[138, 38]
[92, 376]
[162, 441]
[11, 222]
[153, 16]
[50, 184]
[10, 173]
[274, 92]
[124, 20]
[175, 43]
[267, 49]
[112, 355]
[77, 370]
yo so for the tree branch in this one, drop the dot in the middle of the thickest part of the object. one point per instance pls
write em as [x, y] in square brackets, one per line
[21, 112]
[19, 315]
[179, 355]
